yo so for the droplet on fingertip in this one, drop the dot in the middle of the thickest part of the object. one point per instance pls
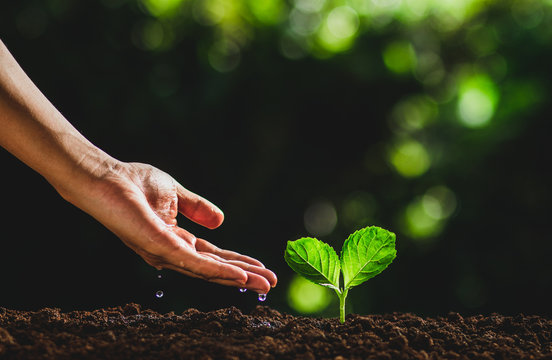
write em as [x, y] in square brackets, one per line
[243, 290]
[262, 297]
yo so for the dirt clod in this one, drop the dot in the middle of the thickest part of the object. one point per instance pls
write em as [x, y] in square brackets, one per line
[5, 337]
[132, 332]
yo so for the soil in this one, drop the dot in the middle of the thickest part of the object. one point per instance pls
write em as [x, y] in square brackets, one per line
[130, 332]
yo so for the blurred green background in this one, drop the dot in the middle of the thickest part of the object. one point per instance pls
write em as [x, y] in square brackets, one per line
[298, 118]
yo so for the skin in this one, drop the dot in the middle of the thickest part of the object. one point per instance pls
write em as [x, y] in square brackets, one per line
[137, 202]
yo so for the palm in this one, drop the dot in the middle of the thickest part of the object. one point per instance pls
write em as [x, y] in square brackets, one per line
[143, 203]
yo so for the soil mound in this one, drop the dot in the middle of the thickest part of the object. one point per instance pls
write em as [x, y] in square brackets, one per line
[131, 332]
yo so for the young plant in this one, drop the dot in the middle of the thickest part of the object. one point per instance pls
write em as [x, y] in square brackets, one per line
[365, 254]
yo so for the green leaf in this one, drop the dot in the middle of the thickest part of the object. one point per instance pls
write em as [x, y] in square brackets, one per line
[314, 260]
[365, 254]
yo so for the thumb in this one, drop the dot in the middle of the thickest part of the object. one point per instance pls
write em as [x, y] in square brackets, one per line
[198, 209]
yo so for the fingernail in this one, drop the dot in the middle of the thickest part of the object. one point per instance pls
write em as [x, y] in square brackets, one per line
[215, 209]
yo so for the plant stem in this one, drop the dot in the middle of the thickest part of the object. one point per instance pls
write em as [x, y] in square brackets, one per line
[342, 296]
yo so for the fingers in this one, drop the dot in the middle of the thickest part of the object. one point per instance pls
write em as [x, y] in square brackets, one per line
[200, 259]
[253, 267]
[205, 267]
[186, 235]
[225, 256]
[257, 283]
[205, 246]
[225, 282]
[198, 209]
[254, 281]
[259, 279]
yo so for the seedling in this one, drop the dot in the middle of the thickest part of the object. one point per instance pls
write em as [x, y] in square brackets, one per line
[365, 254]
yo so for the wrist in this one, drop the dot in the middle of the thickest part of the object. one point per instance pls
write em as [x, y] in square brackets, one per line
[84, 176]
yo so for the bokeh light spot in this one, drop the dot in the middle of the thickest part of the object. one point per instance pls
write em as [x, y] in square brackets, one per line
[267, 12]
[451, 14]
[418, 224]
[477, 100]
[439, 202]
[429, 68]
[293, 47]
[410, 159]
[306, 297]
[414, 10]
[415, 113]
[209, 12]
[320, 218]
[399, 57]
[224, 56]
[310, 6]
[149, 35]
[343, 22]
[339, 29]
[162, 7]
[527, 13]
[303, 23]
[386, 5]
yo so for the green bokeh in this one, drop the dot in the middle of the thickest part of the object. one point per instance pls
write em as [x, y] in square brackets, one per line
[399, 57]
[161, 8]
[426, 117]
[306, 297]
[410, 158]
[477, 100]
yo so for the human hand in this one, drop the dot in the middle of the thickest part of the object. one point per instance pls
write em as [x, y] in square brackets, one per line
[139, 203]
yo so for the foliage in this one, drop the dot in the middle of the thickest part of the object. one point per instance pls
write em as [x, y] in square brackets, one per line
[365, 254]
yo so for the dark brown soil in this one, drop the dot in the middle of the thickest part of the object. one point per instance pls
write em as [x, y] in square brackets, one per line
[132, 333]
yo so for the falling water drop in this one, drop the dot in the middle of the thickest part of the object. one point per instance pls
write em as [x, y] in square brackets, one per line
[243, 290]
[262, 297]
[159, 294]
[159, 276]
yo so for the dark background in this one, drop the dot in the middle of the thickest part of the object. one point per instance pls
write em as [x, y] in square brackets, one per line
[265, 133]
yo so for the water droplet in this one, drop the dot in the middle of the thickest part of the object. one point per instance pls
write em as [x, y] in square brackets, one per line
[243, 290]
[262, 297]
[159, 294]
[159, 276]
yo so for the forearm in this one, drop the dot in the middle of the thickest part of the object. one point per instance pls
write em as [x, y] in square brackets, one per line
[33, 130]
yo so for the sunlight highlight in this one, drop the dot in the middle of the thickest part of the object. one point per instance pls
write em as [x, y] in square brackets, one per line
[410, 159]
[161, 8]
[477, 100]
[306, 297]
[268, 12]
[338, 32]
[418, 224]
[399, 57]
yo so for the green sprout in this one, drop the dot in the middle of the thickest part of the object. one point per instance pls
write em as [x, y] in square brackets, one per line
[365, 254]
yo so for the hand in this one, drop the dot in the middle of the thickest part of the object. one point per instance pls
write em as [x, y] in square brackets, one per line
[139, 203]
[136, 201]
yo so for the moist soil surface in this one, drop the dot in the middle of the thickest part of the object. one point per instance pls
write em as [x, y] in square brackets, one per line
[130, 332]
